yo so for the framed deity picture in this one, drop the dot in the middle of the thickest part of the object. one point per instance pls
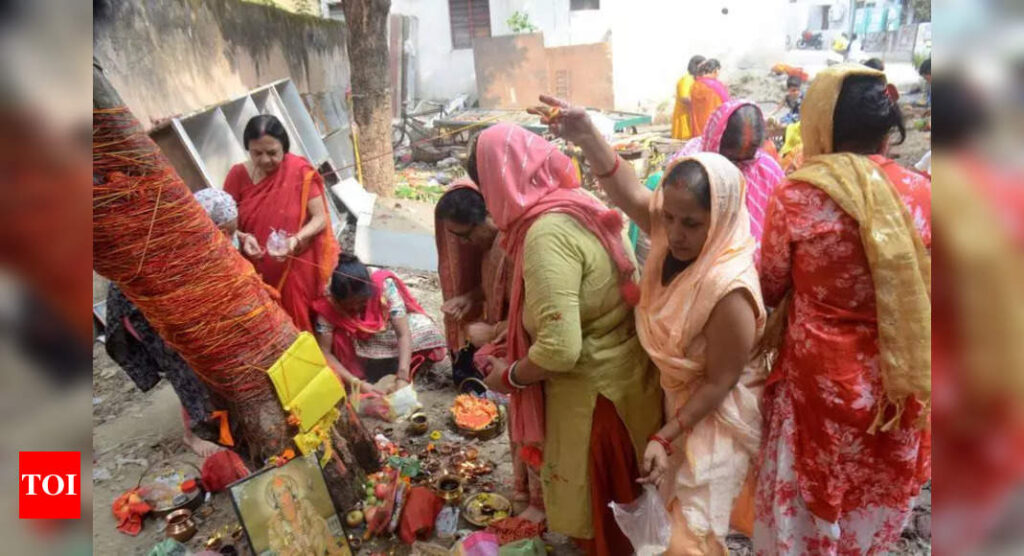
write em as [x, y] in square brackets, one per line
[287, 510]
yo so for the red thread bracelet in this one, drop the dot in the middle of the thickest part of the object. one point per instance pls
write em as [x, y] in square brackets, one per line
[664, 443]
[611, 172]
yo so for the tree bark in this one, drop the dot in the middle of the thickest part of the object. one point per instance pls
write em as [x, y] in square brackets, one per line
[367, 38]
[262, 421]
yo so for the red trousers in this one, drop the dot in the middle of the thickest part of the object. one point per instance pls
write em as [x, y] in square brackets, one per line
[613, 474]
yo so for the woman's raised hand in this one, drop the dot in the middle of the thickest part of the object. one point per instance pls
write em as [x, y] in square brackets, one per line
[564, 120]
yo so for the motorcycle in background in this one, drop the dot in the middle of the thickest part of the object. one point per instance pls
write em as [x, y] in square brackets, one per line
[810, 40]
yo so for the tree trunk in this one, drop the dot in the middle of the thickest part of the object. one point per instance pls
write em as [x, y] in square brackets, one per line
[367, 37]
[122, 144]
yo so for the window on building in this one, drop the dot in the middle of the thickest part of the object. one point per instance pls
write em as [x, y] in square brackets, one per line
[575, 5]
[469, 19]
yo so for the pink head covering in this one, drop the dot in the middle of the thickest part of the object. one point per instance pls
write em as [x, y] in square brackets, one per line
[762, 172]
[522, 177]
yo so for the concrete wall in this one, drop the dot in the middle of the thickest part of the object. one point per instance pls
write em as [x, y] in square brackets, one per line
[441, 72]
[176, 56]
[651, 40]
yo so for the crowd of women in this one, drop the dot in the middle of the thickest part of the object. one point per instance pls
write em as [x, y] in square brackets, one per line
[767, 369]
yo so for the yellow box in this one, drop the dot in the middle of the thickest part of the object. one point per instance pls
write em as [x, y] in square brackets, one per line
[296, 367]
[305, 385]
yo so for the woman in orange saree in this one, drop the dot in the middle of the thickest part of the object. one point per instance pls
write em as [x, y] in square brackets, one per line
[707, 95]
[277, 190]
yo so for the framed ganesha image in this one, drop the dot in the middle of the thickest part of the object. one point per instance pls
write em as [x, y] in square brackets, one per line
[287, 511]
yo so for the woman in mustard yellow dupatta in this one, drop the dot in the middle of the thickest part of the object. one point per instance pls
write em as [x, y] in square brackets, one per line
[845, 259]
[699, 318]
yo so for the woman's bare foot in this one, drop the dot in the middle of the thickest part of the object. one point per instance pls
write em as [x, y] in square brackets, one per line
[204, 448]
[520, 501]
[534, 514]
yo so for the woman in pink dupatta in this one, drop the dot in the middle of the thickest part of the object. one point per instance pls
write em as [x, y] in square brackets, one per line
[581, 386]
[736, 130]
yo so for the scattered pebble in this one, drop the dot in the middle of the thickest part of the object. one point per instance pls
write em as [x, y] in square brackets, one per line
[101, 474]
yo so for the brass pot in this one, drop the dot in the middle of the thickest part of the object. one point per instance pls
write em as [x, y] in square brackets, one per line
[449, 488]
[180, 526]
[418, 423]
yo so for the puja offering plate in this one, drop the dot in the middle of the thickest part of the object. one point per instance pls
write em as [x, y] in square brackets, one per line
[485, 508]
[475, 417]
[161, 487]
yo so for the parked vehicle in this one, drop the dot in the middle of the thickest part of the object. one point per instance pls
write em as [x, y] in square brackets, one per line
[810, 40]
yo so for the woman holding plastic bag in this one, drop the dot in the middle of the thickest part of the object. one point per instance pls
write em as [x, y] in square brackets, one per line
[699, 318]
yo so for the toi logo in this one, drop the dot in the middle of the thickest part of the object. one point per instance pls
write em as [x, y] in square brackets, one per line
[49, 485]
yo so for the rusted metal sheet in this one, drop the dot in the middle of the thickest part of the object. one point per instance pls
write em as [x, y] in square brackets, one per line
[582, 74]
[511, 71]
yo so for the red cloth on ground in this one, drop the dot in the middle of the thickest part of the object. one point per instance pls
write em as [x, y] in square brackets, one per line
[418, 515]
[129, 509]
[512, 529]
[613, 474]
[221, 469]
[276, 202]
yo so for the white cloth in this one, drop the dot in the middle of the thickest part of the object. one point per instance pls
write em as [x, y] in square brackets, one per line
[218, 204]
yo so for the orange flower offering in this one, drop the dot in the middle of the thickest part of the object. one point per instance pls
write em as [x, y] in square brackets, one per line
[473, 413]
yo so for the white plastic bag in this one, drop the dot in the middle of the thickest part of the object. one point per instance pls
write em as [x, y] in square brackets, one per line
[277, 243]
[645, 522]
[403, 401]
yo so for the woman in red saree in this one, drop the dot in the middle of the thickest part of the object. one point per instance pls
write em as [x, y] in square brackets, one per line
[707, 95]
[475, 275]
[370, 326]
[277, 190]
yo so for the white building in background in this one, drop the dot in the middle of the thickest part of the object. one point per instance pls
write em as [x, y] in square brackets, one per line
[652, 40]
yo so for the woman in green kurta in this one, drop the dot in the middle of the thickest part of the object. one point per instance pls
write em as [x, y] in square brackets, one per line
[572, 279]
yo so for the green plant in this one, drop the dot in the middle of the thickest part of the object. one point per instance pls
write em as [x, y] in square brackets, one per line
[519, 22]
[922, 10]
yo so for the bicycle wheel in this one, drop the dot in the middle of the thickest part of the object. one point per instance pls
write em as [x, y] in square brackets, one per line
[397, 134]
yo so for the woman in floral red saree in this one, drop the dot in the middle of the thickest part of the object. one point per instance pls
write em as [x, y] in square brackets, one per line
[277, 190]
[845, 257]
